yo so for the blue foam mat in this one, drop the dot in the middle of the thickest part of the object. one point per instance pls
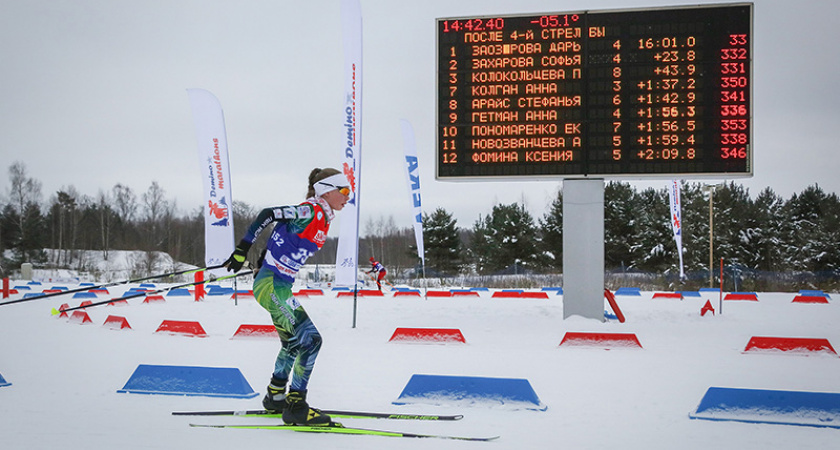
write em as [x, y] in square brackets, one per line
[514, 393]
[628, 291]
[3, 381]
[813, 293]
[183, 292]
[187, 380]
[803, 408]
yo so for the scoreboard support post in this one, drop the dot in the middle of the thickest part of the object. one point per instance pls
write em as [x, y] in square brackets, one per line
[583, 248]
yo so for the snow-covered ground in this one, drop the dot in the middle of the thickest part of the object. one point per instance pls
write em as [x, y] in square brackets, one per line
[64, 376]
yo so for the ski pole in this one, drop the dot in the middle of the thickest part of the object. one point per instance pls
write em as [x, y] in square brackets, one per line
[115, 283]
[156, 291]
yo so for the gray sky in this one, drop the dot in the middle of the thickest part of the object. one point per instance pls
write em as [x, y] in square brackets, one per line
[93, 93]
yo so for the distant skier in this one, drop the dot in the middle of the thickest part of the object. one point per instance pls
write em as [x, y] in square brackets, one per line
[300, 232]
[379, 269]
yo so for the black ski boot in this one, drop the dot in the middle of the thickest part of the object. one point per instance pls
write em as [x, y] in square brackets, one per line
[298, 411]
[275, 399]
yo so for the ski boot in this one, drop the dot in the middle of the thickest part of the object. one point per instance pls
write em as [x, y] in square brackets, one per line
[298, 412]
[275, 399]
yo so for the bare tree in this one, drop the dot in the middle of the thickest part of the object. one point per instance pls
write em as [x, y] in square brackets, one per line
[103, 206]
[125, 202]
[156, 208]
[24, 199]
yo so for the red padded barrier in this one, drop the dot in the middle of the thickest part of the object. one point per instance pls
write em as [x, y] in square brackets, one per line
[438, 294]
[181, 327]
[575, 339]
[362, 293]
[464, 294]
[311, 292]
[747, 297]
[406, 294]
[255, 331]
[789, 344]
[810, 299]
[534, 295]
[153, 298]
[427, 335]
[668, 295]
[80, 317]
[116, 323]
[507, 294]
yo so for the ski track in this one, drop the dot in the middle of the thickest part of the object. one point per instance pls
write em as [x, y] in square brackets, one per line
[65, 376]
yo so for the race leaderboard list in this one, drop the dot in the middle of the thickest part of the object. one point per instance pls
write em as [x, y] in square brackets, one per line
[653, 92]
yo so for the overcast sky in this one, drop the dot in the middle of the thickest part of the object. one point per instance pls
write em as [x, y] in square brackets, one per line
[93, 93]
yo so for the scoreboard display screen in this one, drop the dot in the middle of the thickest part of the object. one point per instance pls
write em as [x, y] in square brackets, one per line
[626, 93]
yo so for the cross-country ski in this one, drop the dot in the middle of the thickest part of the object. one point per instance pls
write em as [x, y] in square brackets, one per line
[341, 429]
[331, 412]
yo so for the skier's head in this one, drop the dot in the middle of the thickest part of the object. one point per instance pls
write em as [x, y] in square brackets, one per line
[331, 185]
[371, 259]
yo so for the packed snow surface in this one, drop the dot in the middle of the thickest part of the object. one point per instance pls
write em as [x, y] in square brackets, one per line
[65, 375]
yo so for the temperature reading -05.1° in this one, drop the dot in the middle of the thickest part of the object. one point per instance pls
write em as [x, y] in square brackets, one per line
[648, 92]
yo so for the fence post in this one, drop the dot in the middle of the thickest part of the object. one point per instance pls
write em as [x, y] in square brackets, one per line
[199, 286]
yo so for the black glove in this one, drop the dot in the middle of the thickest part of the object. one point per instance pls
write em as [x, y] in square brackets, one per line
[262, 258]
[237, 258]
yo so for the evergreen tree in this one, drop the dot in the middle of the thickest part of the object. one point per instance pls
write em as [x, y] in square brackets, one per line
[619, 223]
[442, 243]
[811, 231]
[551, 234]
[695, 230]
[506, 239]
[654, 249]
[763, 232]
[9, 232]
[732, 209]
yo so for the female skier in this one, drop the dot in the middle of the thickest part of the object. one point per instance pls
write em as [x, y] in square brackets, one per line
[301, 230]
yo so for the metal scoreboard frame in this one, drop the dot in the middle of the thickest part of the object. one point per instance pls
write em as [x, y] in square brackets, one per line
[623, 94]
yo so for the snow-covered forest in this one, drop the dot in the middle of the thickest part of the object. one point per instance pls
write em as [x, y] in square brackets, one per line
[766, 242]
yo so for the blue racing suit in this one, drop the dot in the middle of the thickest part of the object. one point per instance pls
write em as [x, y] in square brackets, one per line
[300, 231]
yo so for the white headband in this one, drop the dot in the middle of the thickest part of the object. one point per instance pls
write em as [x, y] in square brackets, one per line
[330, 183]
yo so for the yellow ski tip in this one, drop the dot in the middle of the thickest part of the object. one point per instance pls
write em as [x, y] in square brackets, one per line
[54, 312]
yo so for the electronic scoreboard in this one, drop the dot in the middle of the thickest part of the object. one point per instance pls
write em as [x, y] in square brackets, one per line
[625, 93]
